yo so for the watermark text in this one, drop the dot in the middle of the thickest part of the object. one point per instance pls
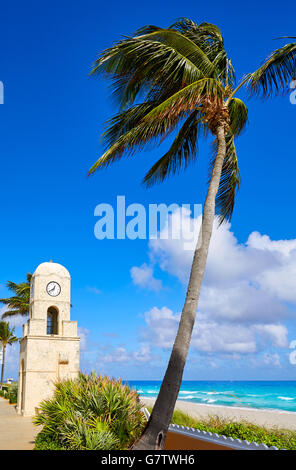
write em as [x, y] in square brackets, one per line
[135, 221]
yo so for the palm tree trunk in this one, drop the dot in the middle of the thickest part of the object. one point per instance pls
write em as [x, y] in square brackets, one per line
[2, 368]
[155, 432]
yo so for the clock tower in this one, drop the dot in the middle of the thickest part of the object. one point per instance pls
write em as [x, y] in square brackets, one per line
[49, 348]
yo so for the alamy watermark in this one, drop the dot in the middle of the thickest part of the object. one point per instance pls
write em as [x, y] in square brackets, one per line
[1, 93]
[293, 93]
[292, 355]
[160, 221]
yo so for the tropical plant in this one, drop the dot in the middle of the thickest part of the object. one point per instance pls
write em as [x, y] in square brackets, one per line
[12, 393]
[91, 413]
[6, 337]
[18, 304]
[43, 442]
[181, 80]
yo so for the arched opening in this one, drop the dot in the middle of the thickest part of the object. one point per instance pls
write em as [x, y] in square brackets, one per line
[52, 321]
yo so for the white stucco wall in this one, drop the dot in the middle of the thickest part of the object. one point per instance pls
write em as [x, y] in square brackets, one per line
[44, 358]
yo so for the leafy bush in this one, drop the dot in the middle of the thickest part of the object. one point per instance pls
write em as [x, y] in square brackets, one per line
[44, 442]
[9, 392]
[12, 393]
[12, 398]
[90, 413]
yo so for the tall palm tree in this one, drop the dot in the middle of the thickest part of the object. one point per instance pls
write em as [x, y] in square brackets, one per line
[18, 304]
[6, 337]
[178, 79]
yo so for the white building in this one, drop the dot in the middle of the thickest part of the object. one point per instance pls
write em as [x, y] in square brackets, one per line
[49, 348]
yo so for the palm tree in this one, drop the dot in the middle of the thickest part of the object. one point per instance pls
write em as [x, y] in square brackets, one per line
[18, 304]
[178, 79]
[6, 337]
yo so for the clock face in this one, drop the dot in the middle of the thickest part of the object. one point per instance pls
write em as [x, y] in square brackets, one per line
[53, 288]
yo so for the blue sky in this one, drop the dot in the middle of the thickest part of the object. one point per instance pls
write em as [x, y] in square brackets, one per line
[51, 121]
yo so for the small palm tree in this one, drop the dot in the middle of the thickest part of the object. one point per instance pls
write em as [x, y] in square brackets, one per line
[6, 337]
[18, 304]
[181, 79]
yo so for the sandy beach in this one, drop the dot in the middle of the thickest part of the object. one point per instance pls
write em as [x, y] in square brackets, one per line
[268, 418]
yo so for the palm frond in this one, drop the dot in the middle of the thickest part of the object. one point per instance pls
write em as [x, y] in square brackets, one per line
[20, 310]
[182, 44]
[276, 74]
[202, 34]
[7, 334]
[18, 304]
[162, 56]
[181, 153]
[125, 121]
[238, 114]
[211, 31]
[209, 38]
[185, 100]
[172, 79]
[184, 25]
[141, 65]
[161, 120]
[224, 69]
[229, 182]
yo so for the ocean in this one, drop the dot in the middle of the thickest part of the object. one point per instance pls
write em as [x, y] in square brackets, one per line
[279, 395]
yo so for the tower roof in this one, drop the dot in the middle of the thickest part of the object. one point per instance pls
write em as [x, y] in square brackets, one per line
[48, 268]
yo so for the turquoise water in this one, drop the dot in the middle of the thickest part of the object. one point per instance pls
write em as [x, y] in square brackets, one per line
[279, 395]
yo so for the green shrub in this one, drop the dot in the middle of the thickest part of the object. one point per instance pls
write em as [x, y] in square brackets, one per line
[91, 413]
[280, 438]
[44, 442]
[12, 397]
[12, 393]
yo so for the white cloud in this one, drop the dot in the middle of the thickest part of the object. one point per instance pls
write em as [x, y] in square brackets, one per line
[245, 282]
[143, 355]
[121, 355]
[2, 310]
[242, 302]
[275, 332]
[272, 359]
[143, 276]
[207, 336]
[83, 333]
[14, 321]
[170, 253]
[211, 335]
[11, 366]
[247, 293]
[162, 326]
[269, 265]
